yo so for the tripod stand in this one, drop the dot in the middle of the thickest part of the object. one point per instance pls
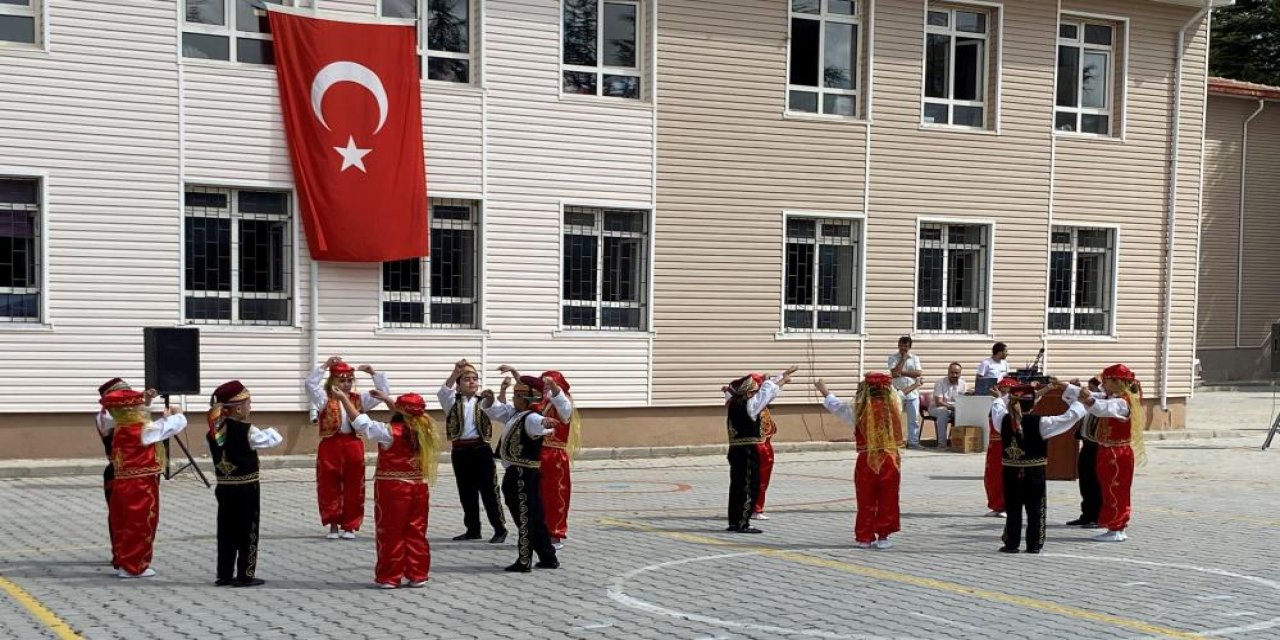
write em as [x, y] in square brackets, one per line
[1275, 427]
[190, 464]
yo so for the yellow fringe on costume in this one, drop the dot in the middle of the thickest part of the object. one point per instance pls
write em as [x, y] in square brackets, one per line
[429, 445]
[1137, 424]
[135, 415]
[574, 445]
[881, 425]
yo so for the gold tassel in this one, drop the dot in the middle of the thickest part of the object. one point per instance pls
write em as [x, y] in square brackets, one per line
[429, 445]
[574, 445]
[1137, 424]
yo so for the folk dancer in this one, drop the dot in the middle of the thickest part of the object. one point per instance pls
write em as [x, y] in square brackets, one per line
[135, 489]
[470, 432]
[765, 453]
[1087, 465]
[748, 397]
[993, 474]
[520, 448]
[233, 445]
[1120, 447]
[558, 449]
[1024, 453]
[340, 456]
[104, 425]
[877, 417]
[408, 456]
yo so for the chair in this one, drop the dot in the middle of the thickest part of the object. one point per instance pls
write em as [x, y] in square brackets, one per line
[926, 401]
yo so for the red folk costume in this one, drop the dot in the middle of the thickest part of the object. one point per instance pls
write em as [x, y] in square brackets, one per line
[993, 475]
[1120, 446]
[765, 451]
[104, 425]
[878, 432]
[340, 456]
[558, 449]
[408, 456]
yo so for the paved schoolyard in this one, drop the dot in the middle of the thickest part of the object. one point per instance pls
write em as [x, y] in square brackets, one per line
[648, 558]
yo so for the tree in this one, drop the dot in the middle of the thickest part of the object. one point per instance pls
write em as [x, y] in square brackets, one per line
[1246, 42]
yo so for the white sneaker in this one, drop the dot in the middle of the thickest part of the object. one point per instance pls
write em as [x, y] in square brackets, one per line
[995, 514]
[863, 545]
[145, 574]
[557, 546]
[418, 584]
[760, 516]
[883, 543]
[332, 535]
[388, 585]
[348, 535]
[1111, 536]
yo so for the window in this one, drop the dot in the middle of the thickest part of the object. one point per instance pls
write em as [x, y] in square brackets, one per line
[605, 269]
[823, 77]
[1081, 265]
[233, 30]
[951, 286]
[1086, 70]
[18, 20]
[448, 35]
[601, 53]
[956, 65]
[19, 250]
[239, 257]
[823, 264]
[438, 291]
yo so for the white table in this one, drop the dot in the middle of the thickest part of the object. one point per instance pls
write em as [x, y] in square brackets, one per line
[974, 411]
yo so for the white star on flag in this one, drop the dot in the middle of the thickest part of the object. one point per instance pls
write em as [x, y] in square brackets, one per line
[352, 156]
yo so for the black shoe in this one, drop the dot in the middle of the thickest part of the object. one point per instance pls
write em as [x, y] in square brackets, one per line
[1089, 524]
[1077, 522]
[223, 582]
[498, 537]
[1033, 551]
[249, 582]
[468, 536]
[1008, 549]
[733, 529]
[519, 568]
[548, 564]
[749, 529]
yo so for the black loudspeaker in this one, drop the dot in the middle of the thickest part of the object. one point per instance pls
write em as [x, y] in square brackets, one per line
[172, 360]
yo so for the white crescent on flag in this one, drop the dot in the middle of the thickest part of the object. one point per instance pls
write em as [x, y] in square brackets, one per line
[347, 71]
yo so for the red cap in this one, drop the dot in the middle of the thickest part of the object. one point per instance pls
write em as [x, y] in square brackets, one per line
[877, 380]
[121, 398]
[342, 369]
[1007, 383]
[534, 384]
[559, 379]
[412, 404]
[112, 385]
[230, 392]
[1118, 372]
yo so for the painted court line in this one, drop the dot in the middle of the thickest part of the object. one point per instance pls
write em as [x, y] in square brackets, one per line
[38, 611]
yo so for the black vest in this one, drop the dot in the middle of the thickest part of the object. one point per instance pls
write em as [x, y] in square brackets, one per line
[1024, 448]
[743, 429]
[235, 462]
[518, 448]
[454, 422]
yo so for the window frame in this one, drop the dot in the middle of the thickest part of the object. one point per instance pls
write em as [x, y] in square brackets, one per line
[861, 55]
[38, 11]
[640, 72]
[1118, 111]
[993, 63]
[1113, 273]
[292, 254]
[475, 14]
[424, 294]
[859, 278]
[227, 30]
[42, 320]
[646, 271]
[988, 245]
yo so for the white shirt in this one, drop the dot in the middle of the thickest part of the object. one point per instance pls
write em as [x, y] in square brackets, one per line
[535, 425]
[1050, 426]
[320, 397]
[1109, 408]
[264, 438]
[992, 368]
[447, 397]
[902, 382]
[944, 390]
[379, 432]
[159, 429]
[841, 409]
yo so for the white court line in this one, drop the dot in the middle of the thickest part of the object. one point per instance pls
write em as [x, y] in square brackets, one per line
[953, 623]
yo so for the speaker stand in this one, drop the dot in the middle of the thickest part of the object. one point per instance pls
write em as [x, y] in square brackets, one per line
[190, 464]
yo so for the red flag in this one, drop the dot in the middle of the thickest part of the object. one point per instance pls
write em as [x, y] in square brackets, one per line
[352, 108]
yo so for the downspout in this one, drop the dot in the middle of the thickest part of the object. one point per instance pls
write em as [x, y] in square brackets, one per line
[314, 338]
[1244, 170]
[1170, 223]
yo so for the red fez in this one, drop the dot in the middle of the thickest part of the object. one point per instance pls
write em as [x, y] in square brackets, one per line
[877, 380]
[412, 404]
[1118, 372]
[534, 384]
[112, 385]
[1007, 383]
[230, 392]
[341, 369]
[1022, 390]
[121, 398]
[558, 378]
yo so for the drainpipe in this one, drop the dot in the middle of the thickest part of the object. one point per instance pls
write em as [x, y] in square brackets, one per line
[1175, 140]
[315, 325]
[1244, 170]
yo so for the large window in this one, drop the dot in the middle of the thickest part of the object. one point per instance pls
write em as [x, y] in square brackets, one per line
[239, 257]
[233, 30]
[1081, 278]
[823, 76]
[604, 275]
[823, 266]
[601, 50]
[1086, 76]
[19, 249]
[18, 20]
[956, 65]
[952, 278]
[439, 291]
[448, 35]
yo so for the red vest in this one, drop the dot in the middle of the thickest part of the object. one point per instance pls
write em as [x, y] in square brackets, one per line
[400, 460]
[1115, 432]
[330, 418]
[129, 456]
[559, 439]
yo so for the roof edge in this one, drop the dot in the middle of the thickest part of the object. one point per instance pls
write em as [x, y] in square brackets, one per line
[1241, 89]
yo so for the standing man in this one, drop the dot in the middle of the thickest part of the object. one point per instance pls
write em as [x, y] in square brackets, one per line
[340, 456]
[105, 424]
[1087, 465]
[470, 432]
[749, 396]
[905, 369]
[943, 404]
[1120, 446]
[233, 445]
[135, 490]
[877, 420]
[992, 369]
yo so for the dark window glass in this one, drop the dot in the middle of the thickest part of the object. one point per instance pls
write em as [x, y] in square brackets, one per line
[448, 26]
[580, 266]
[580, 24]
[262, 257]
[799, 274]
[403, 312]
[621, 86]
[206, 46]
[208, 252]
[403, 276]
[619, 35]
[580, 82]
[805, 36]
[254, 51]
[448, 70]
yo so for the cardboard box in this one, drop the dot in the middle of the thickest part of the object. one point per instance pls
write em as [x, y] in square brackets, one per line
[966, 439]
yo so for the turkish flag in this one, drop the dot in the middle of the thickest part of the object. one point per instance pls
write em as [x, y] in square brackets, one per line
[352, 107]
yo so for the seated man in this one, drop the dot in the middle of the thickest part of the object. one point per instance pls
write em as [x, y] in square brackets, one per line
[943, 405]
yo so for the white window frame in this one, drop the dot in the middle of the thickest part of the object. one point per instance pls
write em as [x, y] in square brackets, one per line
[859, 277]
[822, 18]
[1117, 107]
[638, 72]
[8, 323]
[1112, 266]
[475, 13]
[36, 10]
[984, 329]
[991, 73]
[227, 30]
[291, 217]
[424, 295]
[646, 272]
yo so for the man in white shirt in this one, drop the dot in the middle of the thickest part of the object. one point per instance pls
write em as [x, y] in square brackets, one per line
[992, 369]
[906, 372]
[943, 404]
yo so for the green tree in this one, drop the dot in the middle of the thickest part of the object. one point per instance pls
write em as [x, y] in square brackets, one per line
[1246, 42]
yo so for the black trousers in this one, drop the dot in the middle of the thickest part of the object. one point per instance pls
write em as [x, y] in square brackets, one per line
[521, 488]
[744, 483]
[238, 510]
[109, 474]
[1090, 488]
[1024, 489]
[473, 469]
